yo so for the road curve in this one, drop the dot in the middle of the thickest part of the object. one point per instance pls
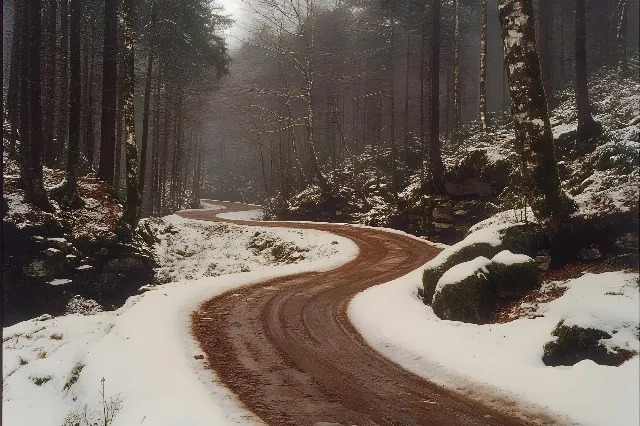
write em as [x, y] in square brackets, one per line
[286, 348]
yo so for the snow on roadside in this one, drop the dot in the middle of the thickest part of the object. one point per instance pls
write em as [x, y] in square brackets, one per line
[193, 249]
[209, 205]
[144, 350]
[246, 215]
[505, 360]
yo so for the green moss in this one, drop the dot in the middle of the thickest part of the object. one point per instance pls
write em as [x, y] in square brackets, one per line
[479, 296]
[431, 275]
[470, 300]
[575, 344]
[509, 282]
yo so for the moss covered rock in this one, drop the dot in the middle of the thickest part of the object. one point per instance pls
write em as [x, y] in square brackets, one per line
[512, 275]
[464, 293]
[473, 291]
[518, 238]
[435, 269]
[575, 344]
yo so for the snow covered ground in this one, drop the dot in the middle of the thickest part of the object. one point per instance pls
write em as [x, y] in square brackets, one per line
[203, 249]
[248, 215]
[52, 368]
[506, 359]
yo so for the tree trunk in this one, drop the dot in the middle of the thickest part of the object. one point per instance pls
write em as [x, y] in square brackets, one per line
[49, 89]
[109, 91]
[155, 157]
[529, 110]
[406, 104]
[435, 156]
[264, 172]
[621, 37]
[132, 210]
[422, 127]
[456, 72]
[119, 115]
[147, 96]
[89, 127]
[32, 119]
[587, 127]
[62, 126]
[392, 101]
[73, 156]
[483, 68]
[13, 94]
[545, 27]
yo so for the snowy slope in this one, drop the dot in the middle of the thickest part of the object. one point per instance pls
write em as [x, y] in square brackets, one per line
[506, 359]
[144, 350]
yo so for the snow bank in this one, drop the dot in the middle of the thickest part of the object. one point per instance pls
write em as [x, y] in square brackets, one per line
[495, 361]
[209, 205]
[247, 215]
[195, 249]
[143, 350]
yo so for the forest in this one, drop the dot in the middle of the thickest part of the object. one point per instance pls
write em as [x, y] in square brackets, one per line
[431, 215]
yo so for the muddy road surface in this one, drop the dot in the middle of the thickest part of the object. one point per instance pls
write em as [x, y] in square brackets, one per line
[287, 349]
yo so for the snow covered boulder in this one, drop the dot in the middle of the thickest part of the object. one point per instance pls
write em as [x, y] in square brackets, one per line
[463, 293]
[512, 275]
[487, 242]
[473, 291]
[574, 344]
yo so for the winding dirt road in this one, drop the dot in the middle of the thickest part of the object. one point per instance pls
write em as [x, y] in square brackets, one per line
[286, 348]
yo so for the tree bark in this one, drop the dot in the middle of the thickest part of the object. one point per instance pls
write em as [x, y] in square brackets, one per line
[109, 81]
[483, 68]
[13, 93]
[392, 101]
[62, 126]
[119, 115]
[89, 127]
[49, 89]
[587, 126]
[406, 104]
[147, 100]
[435, 155]
[73, 156]
[32, 119]
[422, 126]
[621, 37]
[132, 210]
[545, 27]
[529, 110]
[456, 71]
